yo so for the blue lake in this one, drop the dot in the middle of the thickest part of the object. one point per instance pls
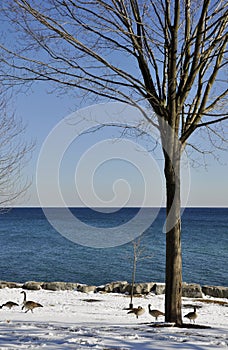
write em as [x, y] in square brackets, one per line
[31, 249]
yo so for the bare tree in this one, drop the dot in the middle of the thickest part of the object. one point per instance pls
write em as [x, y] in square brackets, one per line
[138, 254]
[14, 152]
[166, 54]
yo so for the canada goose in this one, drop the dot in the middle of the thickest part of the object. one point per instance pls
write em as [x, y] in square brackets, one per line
[137, 311]
[192, 315]
[9, 304]
[155, 313]
[29, 305]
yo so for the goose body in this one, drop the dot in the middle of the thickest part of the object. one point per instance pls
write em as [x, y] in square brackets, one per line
[9, 304]
[155, 313]
[192, 315]
[137, 311]
[29, 305]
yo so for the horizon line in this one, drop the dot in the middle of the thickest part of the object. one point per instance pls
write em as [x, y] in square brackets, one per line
[99, 207]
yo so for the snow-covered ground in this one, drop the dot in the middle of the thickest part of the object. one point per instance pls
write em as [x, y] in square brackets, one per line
[75, 320]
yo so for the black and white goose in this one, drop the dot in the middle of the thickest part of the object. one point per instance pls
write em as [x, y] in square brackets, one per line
[9, 304]
[155, 313]
[137, 311]
[28, 304]
[192, 315]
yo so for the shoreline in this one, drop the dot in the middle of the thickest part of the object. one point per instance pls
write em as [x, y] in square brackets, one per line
[75, 320]
[189, 290]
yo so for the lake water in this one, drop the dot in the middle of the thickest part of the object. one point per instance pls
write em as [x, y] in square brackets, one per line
[31, 249]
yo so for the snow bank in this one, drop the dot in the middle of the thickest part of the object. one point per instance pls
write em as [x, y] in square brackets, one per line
[75, 320]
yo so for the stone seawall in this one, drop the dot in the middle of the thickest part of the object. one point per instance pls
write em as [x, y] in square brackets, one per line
[188, 290]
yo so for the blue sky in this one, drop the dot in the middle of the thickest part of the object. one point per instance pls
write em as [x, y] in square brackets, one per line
[42, 111]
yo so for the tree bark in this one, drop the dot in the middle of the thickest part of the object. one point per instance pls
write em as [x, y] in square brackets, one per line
[173, 240]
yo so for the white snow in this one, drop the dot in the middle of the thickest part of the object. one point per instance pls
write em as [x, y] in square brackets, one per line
[68, 321]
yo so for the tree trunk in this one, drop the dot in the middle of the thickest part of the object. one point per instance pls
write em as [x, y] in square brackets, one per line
[173, 240]
[133, 277]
